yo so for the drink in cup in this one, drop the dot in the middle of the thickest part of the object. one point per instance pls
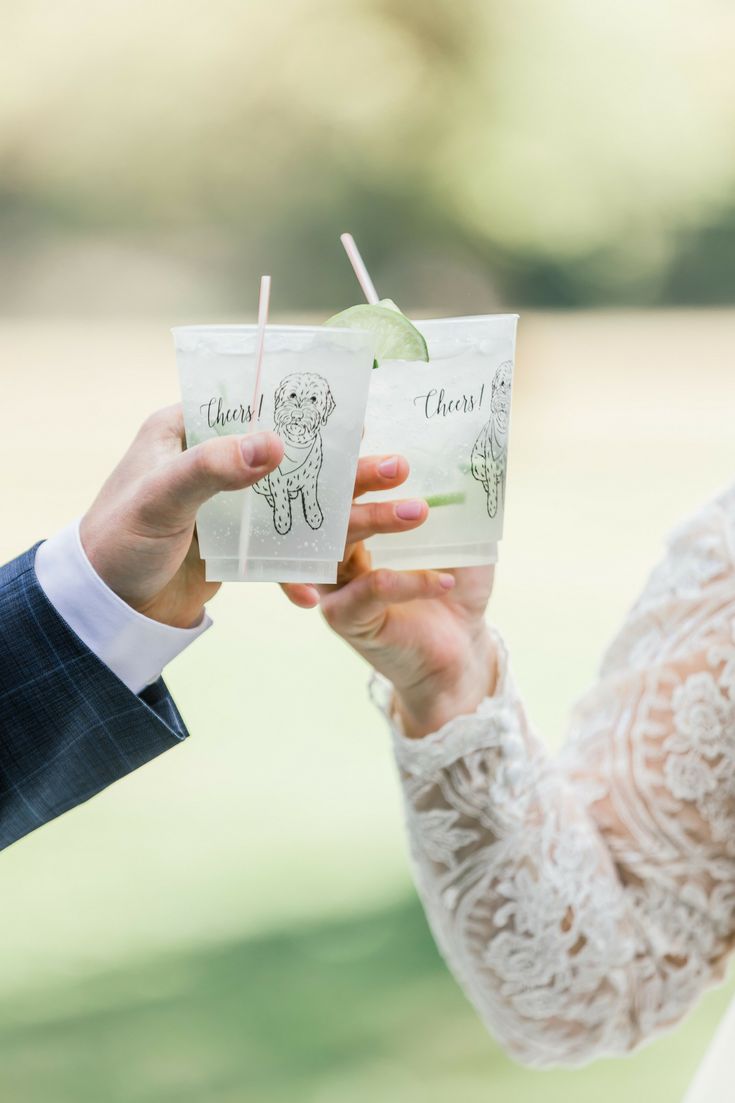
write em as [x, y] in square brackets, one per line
[314, 392]
[444, 403]
[450, 417]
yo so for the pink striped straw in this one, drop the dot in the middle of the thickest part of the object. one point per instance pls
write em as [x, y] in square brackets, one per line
[358, 265]
[264, 299]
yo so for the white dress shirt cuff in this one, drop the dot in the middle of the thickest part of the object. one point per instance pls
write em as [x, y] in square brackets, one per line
[134, 647]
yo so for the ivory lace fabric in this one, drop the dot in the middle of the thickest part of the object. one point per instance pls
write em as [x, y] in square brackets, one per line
[584, 902]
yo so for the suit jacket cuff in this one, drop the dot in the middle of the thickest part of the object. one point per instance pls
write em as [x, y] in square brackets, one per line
[69, 727]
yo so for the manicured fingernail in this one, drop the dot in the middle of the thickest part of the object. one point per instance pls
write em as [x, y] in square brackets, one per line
[255, 450]
[389, 468]
[409, 511]
[446, 581]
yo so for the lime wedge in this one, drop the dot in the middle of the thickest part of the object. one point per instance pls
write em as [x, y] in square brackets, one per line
[390, 305]
[397, 337]
[451, 498]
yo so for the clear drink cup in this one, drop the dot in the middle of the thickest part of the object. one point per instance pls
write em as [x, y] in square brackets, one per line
[450, 417]
[315, 384]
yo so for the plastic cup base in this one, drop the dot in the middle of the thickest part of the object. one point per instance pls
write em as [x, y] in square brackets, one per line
[434, 558]
[271, 570]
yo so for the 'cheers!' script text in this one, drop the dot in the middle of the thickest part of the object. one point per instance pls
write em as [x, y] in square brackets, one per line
[219, 414]
[437, 404]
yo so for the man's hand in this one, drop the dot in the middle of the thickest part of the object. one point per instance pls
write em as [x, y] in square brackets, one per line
[138, 533]
[424, 630]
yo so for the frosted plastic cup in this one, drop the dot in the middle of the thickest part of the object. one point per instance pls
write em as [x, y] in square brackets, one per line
[450, 417]
[315, 384]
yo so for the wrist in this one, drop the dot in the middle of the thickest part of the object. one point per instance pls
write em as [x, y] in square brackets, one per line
[174, 610]
[427, 706]
[133, 572]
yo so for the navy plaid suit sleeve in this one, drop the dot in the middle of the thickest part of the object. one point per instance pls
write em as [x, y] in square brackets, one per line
[68, 726]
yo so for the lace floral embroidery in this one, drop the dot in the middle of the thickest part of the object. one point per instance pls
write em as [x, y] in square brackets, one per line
[585, 903]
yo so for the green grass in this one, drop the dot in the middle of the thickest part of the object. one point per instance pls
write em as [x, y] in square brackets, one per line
[359, 1009]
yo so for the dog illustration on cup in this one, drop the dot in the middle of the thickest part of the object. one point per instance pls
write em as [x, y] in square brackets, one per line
[490, 450]
[303, 405]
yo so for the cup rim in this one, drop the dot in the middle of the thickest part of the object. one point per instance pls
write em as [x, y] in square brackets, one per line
[251, 327]
[418, 322]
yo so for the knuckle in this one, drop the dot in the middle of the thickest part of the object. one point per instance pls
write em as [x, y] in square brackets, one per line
[156, 421]
[430, 582]
[219, 461]
[166, 421]
[331, 614]
[232, 454]
[376, 515]
[382, 583]
[202, 461]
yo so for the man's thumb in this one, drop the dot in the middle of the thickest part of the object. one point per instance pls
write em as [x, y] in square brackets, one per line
[222, 463]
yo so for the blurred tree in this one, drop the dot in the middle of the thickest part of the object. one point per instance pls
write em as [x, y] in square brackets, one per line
[563, 154]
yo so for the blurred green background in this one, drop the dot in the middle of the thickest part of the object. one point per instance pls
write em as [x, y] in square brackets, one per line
[236, 921]
[567, 154]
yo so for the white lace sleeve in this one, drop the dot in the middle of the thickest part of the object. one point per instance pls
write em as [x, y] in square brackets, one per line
[584, 903]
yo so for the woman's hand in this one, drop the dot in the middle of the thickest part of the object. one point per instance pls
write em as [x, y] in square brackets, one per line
[424, 630]
[138, 533]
